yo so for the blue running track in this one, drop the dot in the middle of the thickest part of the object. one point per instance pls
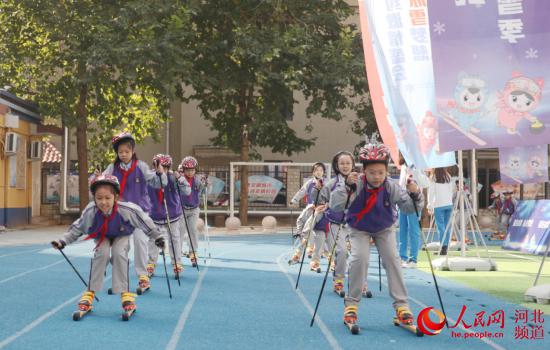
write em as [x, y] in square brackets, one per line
[243, 298]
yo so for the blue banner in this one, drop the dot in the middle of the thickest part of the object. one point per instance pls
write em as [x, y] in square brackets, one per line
[528, 230]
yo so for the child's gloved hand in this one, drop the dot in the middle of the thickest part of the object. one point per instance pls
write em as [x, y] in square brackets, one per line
[58, 244]
[159, 242]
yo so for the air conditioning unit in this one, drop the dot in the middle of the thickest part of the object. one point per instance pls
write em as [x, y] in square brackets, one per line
[36, 150]
[12, 143]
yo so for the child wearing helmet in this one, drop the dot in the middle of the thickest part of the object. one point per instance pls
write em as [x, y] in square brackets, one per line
[190, 201]
[134, 176]
[343, 164]
[166, 213]
[318, 173]
[110, 223]
[369, 200]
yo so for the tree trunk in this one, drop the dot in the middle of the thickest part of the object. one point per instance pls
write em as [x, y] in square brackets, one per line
[82, 146]
[243, 204]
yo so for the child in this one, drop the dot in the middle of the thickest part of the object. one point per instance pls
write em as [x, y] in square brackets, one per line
[371, 212]
[497, 205]
[190, 201]
[134, 176]
[170, 195]
[409, 227]
[508, 208]
[342, 165]
[110, 223]
[318, 172]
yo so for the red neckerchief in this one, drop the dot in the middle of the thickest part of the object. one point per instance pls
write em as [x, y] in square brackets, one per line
[370, 201]
[161, 195]
[190, 181]
[125, 174]
[103, 229]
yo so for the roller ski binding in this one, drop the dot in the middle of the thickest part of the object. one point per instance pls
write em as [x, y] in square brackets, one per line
[309, 252]
[151, 269]
[295, 259]
[143, 285]
[128, 304]
[178, 269]
[84, 305]
[338, 288]
[366, 292]
[404, 319]
[350, 319]
[315, 266]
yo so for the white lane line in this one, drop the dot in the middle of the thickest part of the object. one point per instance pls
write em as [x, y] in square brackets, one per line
[40, 319]
[30, 271]
[19, 253]
[172, 344]
[324, 329]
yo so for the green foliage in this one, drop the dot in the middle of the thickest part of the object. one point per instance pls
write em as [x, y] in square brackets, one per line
[125, 56]
[250, 56]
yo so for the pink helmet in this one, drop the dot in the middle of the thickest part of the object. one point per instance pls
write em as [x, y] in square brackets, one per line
[105, 180]
[120, 137]
[374, 152]
[189, 163]
[163, 159]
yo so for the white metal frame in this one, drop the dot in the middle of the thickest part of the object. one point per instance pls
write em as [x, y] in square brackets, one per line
[261, 212]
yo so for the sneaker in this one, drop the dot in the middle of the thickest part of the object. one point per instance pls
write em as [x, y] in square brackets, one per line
[404, 264]
[411, 265]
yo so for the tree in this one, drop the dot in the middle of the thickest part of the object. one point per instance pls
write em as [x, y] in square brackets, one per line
[99, 66]
[252, 56]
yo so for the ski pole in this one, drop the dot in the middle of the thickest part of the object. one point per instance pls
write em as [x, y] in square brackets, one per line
[170, 232]
[309, 234]
[166, 273]
[379, 272]
[330, 260]
[54, 244]
[430, 262]
[207, 233]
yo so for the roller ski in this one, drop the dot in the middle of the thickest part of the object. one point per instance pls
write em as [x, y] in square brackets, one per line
[84, 305]
[366, 292]
[338, 288]
[193, 259]
[404, 319]
[151, 269]
[350, 319]
[143, 285]
[178, 269]
[295, 259]
[128, 305]
[315, 266]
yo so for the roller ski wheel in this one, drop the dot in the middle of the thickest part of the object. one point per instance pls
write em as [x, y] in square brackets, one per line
[410, 327]
[143, 285]
[151, 270]
[338, 288]
[315, 266]
[350, 319]
[84, 305]
[128, 305]
[110, 291]
[366, 292]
